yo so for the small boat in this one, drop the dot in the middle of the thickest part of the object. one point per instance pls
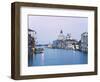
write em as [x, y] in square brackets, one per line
[39, 50]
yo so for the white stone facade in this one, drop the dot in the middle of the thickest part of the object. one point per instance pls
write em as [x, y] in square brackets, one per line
[84, 42]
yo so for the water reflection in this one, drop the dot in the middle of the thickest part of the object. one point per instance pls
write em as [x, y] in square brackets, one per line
[42, 58]
[57, 57]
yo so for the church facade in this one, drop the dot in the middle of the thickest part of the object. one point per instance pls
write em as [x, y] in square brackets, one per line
[65, 42]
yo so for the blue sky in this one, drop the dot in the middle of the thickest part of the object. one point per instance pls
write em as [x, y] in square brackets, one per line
[48, 27]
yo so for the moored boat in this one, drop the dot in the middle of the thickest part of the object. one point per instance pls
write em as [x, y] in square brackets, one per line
[39, 50]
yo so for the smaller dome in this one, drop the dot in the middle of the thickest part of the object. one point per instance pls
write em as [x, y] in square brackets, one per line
[68, 36]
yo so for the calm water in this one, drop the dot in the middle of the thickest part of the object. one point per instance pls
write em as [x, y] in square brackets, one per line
[57, 57]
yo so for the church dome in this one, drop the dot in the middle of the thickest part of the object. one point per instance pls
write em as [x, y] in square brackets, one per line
[68, 36]
[61, 36]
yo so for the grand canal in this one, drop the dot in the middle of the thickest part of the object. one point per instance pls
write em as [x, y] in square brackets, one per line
[57, 57]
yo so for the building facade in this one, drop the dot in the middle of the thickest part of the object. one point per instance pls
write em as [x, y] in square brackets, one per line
[65, 42]
[71, 44]
[84, 42]
[31, 37]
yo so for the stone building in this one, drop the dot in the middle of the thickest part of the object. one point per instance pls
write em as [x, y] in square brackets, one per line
[58, 44]
[84, 42]
[65, 42]
[71, 44]
[31, 40]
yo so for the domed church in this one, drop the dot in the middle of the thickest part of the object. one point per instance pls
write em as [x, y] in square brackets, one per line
[61, 36]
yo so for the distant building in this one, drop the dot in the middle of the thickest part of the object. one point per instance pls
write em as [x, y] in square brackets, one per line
[84, 42]
[49, 45]
[71, 44]
[58, 44]
[65, 43]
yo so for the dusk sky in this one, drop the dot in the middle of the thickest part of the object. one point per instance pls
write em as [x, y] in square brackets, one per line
[48, 27]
